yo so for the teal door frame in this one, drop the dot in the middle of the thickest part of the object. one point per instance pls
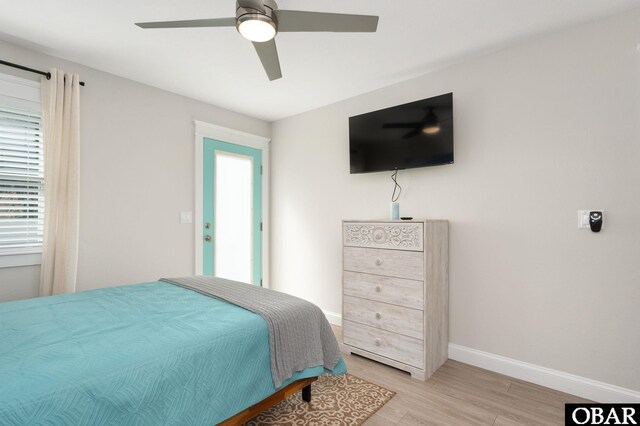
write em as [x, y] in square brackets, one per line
[210, 146]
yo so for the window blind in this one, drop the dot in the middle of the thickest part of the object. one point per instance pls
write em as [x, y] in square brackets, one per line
[21, 181]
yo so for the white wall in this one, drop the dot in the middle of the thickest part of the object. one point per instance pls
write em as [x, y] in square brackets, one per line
[541, 131]
[137, 157]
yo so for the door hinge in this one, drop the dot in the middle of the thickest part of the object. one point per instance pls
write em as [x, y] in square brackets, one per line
[261, 170]
[260, 282]
[261, 226]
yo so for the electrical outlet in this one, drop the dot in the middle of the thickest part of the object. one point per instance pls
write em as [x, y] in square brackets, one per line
[583, 218]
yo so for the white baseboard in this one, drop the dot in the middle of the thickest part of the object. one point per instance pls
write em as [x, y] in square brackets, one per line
[554, 379]
[333, 318]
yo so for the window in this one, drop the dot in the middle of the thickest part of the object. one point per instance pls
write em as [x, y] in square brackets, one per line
[21, 172]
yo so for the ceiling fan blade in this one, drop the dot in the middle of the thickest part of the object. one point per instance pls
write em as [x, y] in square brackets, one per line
[252, 4]
[297, 21]
[400, 125]
[268, 54]
[412, 134]
[193, 23]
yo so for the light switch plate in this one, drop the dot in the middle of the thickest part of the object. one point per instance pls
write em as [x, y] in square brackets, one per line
[187, 217]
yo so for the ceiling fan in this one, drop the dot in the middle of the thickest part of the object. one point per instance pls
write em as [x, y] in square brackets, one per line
[429, 125]
[260, 20]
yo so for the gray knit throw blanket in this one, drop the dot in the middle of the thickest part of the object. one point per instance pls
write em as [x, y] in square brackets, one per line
[299, 334]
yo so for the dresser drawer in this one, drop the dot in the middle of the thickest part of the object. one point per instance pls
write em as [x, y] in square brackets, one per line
[393, 263]
[391, 345]
[392, 318]
[397, 236]
[397, 291]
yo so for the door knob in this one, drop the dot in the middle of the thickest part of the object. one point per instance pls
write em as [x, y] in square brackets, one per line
[207, 237]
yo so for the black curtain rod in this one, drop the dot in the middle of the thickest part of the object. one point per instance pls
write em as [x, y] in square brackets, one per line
[22, 67]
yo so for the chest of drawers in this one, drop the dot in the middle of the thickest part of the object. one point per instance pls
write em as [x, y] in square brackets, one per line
[395, 293]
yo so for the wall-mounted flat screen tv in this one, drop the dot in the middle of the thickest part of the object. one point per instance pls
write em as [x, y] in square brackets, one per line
[417, 134]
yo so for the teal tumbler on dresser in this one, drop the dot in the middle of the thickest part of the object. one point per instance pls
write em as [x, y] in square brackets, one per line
[394, 211]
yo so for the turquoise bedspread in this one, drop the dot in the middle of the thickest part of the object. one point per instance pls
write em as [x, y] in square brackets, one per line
[145, 354]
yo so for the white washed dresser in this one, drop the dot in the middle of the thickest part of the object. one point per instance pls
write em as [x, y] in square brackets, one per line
[395, 299]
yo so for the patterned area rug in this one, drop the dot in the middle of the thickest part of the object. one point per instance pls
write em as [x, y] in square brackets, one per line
[335, 401]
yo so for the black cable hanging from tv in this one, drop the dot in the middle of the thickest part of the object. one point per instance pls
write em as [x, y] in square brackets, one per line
[33, 70]
[397, 187]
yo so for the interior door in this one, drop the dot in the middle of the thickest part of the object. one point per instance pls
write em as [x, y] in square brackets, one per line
[232, 211]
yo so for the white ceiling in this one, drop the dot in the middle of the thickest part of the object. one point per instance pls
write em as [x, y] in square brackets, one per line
[218, 66]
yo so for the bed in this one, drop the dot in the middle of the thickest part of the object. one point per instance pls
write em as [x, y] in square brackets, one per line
[151, 353]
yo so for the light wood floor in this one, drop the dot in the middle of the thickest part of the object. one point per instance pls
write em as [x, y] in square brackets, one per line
[459, 394]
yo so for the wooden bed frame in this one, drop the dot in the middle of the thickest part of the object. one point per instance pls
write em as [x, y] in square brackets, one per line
[270, 401]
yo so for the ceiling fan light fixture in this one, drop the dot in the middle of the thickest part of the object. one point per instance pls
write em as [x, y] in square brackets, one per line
[259, 21]
[256, 27]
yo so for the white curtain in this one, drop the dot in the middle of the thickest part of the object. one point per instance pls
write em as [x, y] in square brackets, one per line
[61, 122]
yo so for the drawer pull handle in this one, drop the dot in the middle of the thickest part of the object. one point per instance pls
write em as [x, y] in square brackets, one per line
[378, 262]
[378, 342]
[378, 289]
[378, 315]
